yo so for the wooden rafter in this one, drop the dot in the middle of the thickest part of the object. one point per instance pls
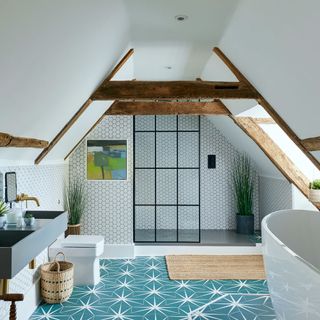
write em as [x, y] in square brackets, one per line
[83, 108]
[274, 153]
[264, 120]
[7, 140]
[267, 106]
[311, 144]
[158, 108]
[63, 131]
[172, 90]
[118, 66]
[167, 108]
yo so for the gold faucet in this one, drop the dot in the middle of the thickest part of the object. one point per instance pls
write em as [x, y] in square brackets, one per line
[25, 197]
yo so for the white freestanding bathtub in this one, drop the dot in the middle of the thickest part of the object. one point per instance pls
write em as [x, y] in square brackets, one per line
[291, 249]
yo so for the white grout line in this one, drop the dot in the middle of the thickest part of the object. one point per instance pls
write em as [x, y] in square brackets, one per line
[200, 309]
[196, 312]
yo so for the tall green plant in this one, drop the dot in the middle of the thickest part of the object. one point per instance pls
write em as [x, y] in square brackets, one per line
[243, 184]
[3, 208]
[75, 201]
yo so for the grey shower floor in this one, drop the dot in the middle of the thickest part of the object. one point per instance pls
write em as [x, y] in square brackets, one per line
[186, 236]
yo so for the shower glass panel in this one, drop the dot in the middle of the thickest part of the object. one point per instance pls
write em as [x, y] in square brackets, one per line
[166, 187]
[166, 123]
[145, 158]
[188, 151]
[189, 223]
[145, 123]
[166, 149]
[145, 224]
[188, 192]
[188, 123]
[166, 179]
[145, 185]
[166, 224]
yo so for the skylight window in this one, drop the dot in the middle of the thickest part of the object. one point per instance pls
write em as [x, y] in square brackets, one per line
[293, 152]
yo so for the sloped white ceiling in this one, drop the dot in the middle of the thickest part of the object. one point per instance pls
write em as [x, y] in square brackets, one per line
[53, 55]
[275, 44]
[88, 118]
[216, 70]
[161, 41]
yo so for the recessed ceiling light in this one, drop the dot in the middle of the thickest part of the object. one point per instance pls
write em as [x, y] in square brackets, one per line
[181, 17]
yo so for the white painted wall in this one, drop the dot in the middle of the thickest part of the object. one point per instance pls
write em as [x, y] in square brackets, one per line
[274, 194]
[299, 201]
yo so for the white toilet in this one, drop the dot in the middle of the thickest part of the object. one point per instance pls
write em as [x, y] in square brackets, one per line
[83, 251]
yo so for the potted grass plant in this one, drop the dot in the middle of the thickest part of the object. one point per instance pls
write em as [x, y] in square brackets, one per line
[75, 203]
[3, 211]
[243, 190]
[314, 191]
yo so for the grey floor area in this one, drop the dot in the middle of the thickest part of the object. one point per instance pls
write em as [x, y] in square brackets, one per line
[190, 237]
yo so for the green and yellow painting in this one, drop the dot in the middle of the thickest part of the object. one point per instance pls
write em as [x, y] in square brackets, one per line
[106, 159]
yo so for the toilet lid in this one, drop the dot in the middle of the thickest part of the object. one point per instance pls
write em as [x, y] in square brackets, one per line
[77, 241]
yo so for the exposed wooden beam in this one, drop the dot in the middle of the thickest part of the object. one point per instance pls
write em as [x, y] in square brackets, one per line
[311, 144]
[153, 90]
[263, 120]
[83, 108]
[7, 140]
[151, 107]
[118, 66]
[63, 131]
[166, 108]
[267, 106]
[274, 153]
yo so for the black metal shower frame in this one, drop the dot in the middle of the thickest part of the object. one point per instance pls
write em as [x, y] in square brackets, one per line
[177, 168]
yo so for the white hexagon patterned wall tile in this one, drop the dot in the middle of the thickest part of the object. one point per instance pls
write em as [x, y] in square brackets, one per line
[110, 203]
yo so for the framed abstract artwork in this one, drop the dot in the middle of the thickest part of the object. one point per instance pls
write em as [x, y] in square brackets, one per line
[107, 159]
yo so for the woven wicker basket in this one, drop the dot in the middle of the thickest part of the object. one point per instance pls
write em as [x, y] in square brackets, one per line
[56, 280]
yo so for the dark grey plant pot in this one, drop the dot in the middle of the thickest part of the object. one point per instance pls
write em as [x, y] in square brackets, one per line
[245, 224]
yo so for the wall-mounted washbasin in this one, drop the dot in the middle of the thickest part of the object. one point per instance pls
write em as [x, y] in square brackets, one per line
[45, 214]
[19, 246]
[10, 238]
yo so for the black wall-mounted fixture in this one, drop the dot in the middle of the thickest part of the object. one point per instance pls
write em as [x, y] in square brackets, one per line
[211, 161]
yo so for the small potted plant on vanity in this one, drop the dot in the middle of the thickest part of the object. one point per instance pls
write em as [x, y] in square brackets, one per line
[75, 204]
[29, 219]
[3, 211]
[314, 191]
[243, 189]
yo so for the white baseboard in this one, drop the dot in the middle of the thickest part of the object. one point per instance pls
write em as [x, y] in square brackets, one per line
[32, 299]
[118, 251]
[174, 250]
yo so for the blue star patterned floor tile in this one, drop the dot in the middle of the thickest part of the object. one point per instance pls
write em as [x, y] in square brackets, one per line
[139, 289]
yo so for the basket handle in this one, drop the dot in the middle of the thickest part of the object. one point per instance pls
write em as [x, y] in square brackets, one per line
[55, 261]
[55, 258]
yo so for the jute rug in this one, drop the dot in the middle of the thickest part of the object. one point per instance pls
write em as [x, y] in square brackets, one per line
[217, 267]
